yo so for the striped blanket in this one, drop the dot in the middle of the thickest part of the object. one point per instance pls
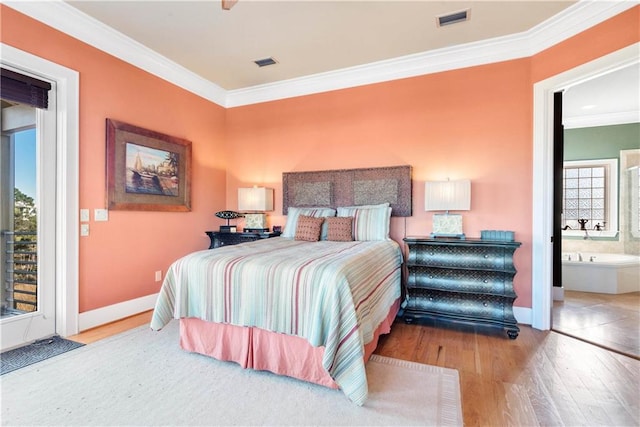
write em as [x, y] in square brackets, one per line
[333, 294]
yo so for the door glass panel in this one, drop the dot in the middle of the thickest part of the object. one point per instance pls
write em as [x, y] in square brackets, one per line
[19, 227]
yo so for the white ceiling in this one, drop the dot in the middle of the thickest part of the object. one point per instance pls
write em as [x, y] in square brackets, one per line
[613, 98]
[305, 37]
[313, 39]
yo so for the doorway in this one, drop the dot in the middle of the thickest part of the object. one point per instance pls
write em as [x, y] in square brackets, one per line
[58, 127]
[27, 220]
[600, 244]
[542, 229]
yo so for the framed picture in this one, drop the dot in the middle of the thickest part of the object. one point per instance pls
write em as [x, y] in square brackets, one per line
[147, 170]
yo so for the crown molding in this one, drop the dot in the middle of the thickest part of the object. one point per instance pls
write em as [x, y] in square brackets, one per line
[571, 21]
[575, 19]
[63, 17]
[433, 61]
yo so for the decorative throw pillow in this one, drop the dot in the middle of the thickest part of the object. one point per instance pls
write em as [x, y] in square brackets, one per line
[369, 223]
[308, 228]
[292, 219]
[340, 229]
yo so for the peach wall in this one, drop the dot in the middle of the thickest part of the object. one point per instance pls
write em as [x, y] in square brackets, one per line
[119, 257]
[473, 123]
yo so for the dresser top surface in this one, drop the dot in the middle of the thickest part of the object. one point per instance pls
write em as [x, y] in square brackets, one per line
[475, 241]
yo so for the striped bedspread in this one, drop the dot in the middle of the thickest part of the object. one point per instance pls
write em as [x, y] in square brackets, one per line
[334, 294]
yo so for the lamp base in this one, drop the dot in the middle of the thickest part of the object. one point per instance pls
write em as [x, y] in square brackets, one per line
[447, 225]
[256, 221]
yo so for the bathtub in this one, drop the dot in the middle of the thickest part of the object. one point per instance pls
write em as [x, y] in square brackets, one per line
[600, 272]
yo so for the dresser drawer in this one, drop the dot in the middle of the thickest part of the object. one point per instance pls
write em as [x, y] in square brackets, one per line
[458, 256]
[469, 281]
[460, 305]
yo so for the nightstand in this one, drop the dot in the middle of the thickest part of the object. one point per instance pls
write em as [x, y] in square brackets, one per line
[222, 238]
[468, 281]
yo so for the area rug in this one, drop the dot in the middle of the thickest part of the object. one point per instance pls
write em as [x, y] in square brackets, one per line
[35, 352]
[143, 378]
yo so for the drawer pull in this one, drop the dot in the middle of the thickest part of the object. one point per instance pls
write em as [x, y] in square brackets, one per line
[430, 298]
[485, 304]
[486, 256]
[486, 281]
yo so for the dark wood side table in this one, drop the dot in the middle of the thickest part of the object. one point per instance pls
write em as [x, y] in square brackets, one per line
[221, 238]
[468, 281]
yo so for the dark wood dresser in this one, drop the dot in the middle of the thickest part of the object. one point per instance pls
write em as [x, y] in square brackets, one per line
[220, 238]
[469, 281]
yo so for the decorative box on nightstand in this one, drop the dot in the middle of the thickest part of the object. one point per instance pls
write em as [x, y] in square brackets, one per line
[219, 238]
[469, 281]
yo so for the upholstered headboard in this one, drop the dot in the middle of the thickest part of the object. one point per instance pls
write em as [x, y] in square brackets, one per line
[349, 187]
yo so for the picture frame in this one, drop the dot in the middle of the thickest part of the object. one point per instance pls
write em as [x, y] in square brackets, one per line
[146, 170]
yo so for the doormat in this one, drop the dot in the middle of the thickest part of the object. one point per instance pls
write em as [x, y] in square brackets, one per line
[35, 352]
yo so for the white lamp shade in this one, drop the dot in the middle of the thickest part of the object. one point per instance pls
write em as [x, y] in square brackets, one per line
[255, 199]
[447, 195]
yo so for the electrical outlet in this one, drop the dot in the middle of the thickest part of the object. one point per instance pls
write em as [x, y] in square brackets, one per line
[84, 215]
[84, 229]
[101, 215]
[158, 275]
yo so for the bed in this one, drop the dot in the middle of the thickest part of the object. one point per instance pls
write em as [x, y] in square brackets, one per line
[310, 304]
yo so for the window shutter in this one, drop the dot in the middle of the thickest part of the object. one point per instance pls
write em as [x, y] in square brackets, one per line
[24, 89]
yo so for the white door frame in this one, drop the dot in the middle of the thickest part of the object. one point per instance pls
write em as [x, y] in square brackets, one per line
[542, 251]
[67, 189]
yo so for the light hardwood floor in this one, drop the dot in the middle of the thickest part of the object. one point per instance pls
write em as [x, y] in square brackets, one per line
[541, 378]
[611, 321]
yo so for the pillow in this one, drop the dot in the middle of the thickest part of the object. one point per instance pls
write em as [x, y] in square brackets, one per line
[369, 222]
[294, 213]
[340, 229]
[308, 228]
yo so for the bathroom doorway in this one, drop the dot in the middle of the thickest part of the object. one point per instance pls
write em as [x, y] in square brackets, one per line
[600, 238]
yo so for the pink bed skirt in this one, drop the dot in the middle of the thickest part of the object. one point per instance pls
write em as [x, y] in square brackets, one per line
[259, 349]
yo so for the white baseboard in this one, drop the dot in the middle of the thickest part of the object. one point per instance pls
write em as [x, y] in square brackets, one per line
[104, 315]
[522, 314]
[111, 313]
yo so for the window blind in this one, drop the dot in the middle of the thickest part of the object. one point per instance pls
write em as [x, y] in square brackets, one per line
[24, 89]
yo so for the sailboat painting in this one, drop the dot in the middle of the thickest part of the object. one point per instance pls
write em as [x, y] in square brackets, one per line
[151, 171]
[147, 170]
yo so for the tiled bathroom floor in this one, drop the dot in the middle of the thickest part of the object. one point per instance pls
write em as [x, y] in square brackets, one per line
[611, 321]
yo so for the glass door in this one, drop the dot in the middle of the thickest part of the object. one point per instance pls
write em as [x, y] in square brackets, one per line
[27, 224]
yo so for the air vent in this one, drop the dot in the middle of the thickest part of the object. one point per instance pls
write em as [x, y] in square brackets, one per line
[265, 62]
[453, 18]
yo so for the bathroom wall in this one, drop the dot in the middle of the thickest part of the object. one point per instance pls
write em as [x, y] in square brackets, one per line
[606, 142]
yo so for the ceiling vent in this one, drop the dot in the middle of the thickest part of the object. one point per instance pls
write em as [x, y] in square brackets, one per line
[453, 18]
[265, 62]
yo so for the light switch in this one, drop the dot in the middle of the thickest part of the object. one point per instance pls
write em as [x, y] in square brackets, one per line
[101, 215]
[84, 229]
[84, 215]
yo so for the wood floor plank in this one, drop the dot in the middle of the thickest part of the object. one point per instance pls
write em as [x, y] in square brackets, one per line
[518, 409]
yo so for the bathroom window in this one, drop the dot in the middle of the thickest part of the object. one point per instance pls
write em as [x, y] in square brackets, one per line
[590, 198]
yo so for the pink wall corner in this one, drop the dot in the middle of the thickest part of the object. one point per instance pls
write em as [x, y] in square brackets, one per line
[119, 257]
